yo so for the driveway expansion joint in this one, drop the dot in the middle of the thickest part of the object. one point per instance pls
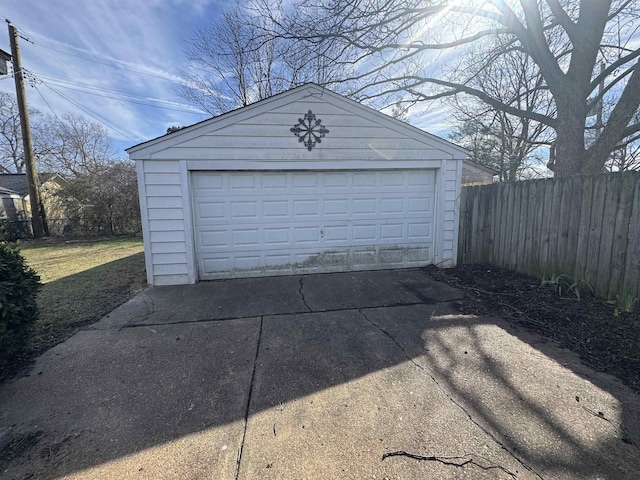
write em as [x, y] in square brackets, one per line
[248, 317]
[246, 412]
[450, 398]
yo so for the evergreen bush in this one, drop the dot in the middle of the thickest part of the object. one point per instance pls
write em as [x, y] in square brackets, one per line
[19, 286]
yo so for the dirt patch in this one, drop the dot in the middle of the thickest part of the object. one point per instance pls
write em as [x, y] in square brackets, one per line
[606, 339]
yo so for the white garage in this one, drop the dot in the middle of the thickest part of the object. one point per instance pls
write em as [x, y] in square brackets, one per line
[304, 182]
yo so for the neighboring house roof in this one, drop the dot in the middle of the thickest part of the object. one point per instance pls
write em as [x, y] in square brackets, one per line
[17, 182]
[7, 192]
[476, 166]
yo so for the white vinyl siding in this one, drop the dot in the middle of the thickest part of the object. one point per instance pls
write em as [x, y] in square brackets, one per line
[267, 137]
[256, 140]
[165, 222]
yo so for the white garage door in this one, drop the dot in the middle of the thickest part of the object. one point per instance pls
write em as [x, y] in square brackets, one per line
[272, 223]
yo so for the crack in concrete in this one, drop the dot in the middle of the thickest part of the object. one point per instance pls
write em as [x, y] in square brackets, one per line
[246, 412]
[457, 461]
[450, 398]
[304, 300]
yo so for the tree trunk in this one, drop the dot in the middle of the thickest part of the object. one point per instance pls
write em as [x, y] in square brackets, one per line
[570, 154]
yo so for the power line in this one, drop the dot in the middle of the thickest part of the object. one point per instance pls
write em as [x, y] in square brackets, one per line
[123, 99]
[112, 65]
[81, 87]
[45, 101]
[93, 114]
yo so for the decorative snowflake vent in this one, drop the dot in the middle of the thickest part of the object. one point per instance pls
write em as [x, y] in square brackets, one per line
[309, 130]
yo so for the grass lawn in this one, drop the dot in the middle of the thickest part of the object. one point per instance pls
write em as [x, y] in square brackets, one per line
[83, 280]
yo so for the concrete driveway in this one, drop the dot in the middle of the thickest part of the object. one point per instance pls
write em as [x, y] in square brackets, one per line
[367, 375]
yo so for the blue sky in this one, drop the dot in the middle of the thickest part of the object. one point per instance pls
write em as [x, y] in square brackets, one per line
[118, 62]
[89, 57]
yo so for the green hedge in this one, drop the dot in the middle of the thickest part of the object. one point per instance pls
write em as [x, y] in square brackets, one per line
[19, 286]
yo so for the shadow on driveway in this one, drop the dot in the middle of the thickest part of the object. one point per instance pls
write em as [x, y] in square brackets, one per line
[353, 375]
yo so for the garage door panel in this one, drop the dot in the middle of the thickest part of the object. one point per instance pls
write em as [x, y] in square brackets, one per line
[214, 238]
[419, 231]
[239, 182]
[277, 236]
[392, 179]
[274, 181]
[364, 206]
[215, 210]
[335, 181]
[306, 235]
[420, 205]
[306, 208]
[392, 232]
[392, 205]
[343, 233]
[275, 208]
[338, 234]
[264, 223]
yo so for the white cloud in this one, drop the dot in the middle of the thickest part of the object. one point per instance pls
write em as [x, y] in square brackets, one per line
[126, 46]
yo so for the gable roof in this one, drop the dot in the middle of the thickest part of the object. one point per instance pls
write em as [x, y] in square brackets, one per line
[6, 192]
[17, 182]
[298, 93]
[476, 166]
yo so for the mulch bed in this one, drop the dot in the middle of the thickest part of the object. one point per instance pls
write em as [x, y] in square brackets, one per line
[604, 339]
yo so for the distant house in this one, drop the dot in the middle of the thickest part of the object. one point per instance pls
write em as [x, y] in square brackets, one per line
[475, 174]
[11, 204]
[14, 195]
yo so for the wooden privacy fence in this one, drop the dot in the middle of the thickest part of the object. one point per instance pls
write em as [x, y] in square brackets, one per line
[585, 227]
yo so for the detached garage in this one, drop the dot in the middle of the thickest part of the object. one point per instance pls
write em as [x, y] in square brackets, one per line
[306, 181]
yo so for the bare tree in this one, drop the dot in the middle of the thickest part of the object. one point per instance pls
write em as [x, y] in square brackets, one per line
[231, 66]
[393, 47]
[11, 147]
[104, 201]
[510, 144]
[73, 145]
[625, 158]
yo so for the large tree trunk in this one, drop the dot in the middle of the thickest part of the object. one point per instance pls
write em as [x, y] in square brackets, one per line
[570, 154]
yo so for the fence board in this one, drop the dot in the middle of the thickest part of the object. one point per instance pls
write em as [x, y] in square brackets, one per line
[595, 230]
[545, 228]
[507, 208]
[462, 232]
[631, 281]
[570, 248]
[536, 234]
[610, 207]
[620, 244]
[514, 226]
[583, 230]
[556, 228]
[519, 249]
[586, 227]
[564, 214]
[475, 234]
[532, 212]
[494, 218]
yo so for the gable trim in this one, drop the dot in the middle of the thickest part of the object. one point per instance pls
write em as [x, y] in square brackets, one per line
[145, 150]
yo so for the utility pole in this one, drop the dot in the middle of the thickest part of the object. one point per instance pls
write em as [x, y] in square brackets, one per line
[33, 183]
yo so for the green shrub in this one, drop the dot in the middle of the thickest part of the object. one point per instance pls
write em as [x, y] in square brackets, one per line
[19, 286]
[12, 230]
